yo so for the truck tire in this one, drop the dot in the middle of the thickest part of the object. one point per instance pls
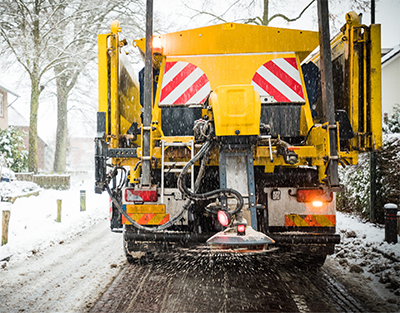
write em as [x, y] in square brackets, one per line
[116, 219]
[126, 244]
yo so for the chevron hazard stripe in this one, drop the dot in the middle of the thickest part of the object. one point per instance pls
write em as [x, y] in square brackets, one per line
[147, 218]
[183, 83]
[310, 220]
[279, 78]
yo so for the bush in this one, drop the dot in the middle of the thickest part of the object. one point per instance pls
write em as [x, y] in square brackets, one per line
[356, 179]
[391, 124]
[12, 150]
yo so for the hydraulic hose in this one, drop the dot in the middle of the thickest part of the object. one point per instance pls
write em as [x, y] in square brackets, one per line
[118, 205]
[211, 194]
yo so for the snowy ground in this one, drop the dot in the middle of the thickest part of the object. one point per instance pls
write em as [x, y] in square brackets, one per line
[33, 225]
[40, 247]
[364, 257]
[58, 267]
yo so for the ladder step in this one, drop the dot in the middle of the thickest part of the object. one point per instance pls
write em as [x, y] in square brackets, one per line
[175, 170]
[175, 163]
[177, 144]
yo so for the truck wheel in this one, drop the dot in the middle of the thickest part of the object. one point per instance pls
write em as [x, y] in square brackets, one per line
[116, 219]
[129, 257]
[127, 243]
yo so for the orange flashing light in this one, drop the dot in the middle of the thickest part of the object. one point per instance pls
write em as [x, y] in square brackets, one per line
[157, 47]
[314, 195]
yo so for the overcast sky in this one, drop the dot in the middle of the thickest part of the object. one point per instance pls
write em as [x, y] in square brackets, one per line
[173, 15]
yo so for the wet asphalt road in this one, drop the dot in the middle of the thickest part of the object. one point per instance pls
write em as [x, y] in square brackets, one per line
[203, 284]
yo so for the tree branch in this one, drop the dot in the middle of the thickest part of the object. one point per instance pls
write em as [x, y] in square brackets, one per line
[291, 19]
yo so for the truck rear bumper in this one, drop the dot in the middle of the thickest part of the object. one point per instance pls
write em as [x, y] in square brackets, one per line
[298, 238]
[281, 238]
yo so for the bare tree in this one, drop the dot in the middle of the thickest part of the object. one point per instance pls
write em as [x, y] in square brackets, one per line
[59, 35]
[259, 12]
[78, 41]
[25, 27]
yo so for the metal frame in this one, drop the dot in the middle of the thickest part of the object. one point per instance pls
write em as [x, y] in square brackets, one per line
[164, 146]
[248, 154]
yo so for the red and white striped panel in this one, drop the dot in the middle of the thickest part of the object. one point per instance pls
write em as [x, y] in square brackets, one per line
[183, 83]
[279, 78]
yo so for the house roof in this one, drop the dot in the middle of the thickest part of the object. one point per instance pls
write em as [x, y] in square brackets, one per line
[15, 118]
[394, 53]
[8, 90]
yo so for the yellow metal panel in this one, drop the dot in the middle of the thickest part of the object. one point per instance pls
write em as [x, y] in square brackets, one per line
[236, 38]
[376, 83]
[124, 124]
[236, 110]
[114, 64]
[145, 208]
[103, 74]
[129, 102]
[353, 57]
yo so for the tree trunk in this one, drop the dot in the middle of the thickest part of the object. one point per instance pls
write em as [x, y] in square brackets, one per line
[60, 156]
[265, 13]
[32, 156]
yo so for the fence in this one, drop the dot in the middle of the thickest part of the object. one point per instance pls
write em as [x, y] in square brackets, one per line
[61, 182]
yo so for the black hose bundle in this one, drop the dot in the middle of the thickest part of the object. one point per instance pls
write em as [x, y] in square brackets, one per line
[219, 193]
[193, 196]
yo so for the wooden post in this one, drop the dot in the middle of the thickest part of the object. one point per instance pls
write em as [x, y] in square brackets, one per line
[148, 96]
[58, 220]
[6, 219]
[83, 200]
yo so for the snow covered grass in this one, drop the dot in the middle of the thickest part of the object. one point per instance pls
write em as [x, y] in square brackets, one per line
[17, 188]
[33, 225]
[362, 250]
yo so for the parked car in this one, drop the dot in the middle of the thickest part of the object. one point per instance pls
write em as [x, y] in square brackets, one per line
[7, 175]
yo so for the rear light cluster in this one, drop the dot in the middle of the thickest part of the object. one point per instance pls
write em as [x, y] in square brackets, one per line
[140, 196]
[224, 218]
[316, 196]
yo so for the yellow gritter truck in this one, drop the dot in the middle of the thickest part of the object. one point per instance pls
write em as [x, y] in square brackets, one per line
[237, 143]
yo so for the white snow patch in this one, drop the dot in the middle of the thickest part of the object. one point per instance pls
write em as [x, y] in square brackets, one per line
[33, 225]
[362, 244]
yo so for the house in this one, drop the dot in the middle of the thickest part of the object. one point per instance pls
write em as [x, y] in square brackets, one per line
[4, 105]
[390, 79]
[81, 154]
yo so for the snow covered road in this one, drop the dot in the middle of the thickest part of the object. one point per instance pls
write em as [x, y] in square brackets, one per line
[67, 266]
[68, 277]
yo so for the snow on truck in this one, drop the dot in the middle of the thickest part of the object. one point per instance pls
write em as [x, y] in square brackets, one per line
[239, 144]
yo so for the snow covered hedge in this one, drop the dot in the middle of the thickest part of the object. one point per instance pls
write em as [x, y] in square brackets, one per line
[356, 179]
[13, 153]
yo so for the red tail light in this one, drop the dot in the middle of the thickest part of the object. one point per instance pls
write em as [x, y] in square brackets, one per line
[311, 195]
[135, 195]
[241, 229]
[224, 218]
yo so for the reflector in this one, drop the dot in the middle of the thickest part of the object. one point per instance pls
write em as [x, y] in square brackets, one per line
[132, 195]
[224, 218]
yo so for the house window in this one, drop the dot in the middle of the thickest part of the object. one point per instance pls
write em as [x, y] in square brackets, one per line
[1, 104]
